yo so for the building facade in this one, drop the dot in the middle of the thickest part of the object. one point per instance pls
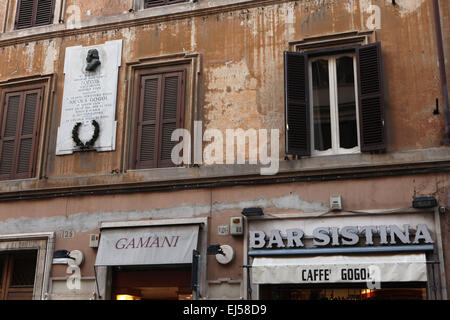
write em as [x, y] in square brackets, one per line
[227, 149]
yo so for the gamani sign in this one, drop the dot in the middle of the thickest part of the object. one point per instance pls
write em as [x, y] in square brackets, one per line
[147, 246]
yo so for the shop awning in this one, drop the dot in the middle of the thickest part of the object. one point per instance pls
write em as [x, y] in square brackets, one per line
[147, 245]
[335, 269]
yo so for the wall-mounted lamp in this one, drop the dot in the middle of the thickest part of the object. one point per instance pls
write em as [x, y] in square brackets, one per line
[61, 257]
[214, 249]
[224, 253]
[424, 202]
[253, 212]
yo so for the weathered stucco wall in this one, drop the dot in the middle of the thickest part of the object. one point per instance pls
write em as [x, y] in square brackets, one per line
[445, 25]
[240, 86]
[87, 10]
[242, 67]
[83, 215]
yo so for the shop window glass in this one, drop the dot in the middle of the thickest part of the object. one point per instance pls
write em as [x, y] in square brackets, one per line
[388, 291]
[1, 271]
[24, 270]
[17, 274]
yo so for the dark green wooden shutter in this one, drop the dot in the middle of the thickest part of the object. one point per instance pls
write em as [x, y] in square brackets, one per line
[297, 114]
[371, 98]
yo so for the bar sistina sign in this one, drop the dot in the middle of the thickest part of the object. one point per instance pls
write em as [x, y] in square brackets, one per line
[346, 236]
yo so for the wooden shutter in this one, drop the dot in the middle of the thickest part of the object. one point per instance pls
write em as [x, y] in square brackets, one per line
[25, 14]
[31, 13]
[161, 111]
[146, 156]
[19, 133]
[154, 3]
[371, 98]
[44, 12]
[171, 114]
[297, 114]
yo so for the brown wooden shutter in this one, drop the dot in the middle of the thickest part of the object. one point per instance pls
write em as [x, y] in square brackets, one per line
[161, 111]
[8, 137]
[25, 14]
[371, 98]
[31, 13]
[19, 133]
[147, 151]
[154, 3]
[28, 134]
[171, 114]
[44, 12]
[296, 104]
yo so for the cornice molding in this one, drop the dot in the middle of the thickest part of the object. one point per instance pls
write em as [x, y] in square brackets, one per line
[123, 21]
[194, 178]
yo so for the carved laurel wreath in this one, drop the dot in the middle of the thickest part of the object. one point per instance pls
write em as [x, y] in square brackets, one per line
[89, 144]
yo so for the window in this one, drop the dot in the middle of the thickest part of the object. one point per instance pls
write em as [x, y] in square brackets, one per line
[155, 3]
[163, 96]
[17, 275]
[160, 111]
[33, 13]
[21, 110]
[334, 101]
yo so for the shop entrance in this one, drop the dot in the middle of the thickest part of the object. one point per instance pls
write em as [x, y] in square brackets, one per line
[151, 283]
[342, 291]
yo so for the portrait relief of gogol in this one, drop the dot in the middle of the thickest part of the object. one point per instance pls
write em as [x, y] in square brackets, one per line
[92, 60]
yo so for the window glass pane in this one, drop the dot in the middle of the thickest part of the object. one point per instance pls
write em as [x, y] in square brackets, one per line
[321, 105]
[348, 132]
[24, 269]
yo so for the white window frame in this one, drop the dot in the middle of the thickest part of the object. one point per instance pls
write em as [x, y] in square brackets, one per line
[44, 243]
[334, 115]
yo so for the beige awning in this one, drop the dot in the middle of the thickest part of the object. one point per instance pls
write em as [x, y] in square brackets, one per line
[147, 245]
[340, 268]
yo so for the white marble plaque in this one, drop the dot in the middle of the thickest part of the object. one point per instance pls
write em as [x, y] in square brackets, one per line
[88, 96]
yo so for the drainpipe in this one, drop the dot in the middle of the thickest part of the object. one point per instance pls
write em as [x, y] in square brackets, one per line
[62, 11]
[6, 16]
[443, 76]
